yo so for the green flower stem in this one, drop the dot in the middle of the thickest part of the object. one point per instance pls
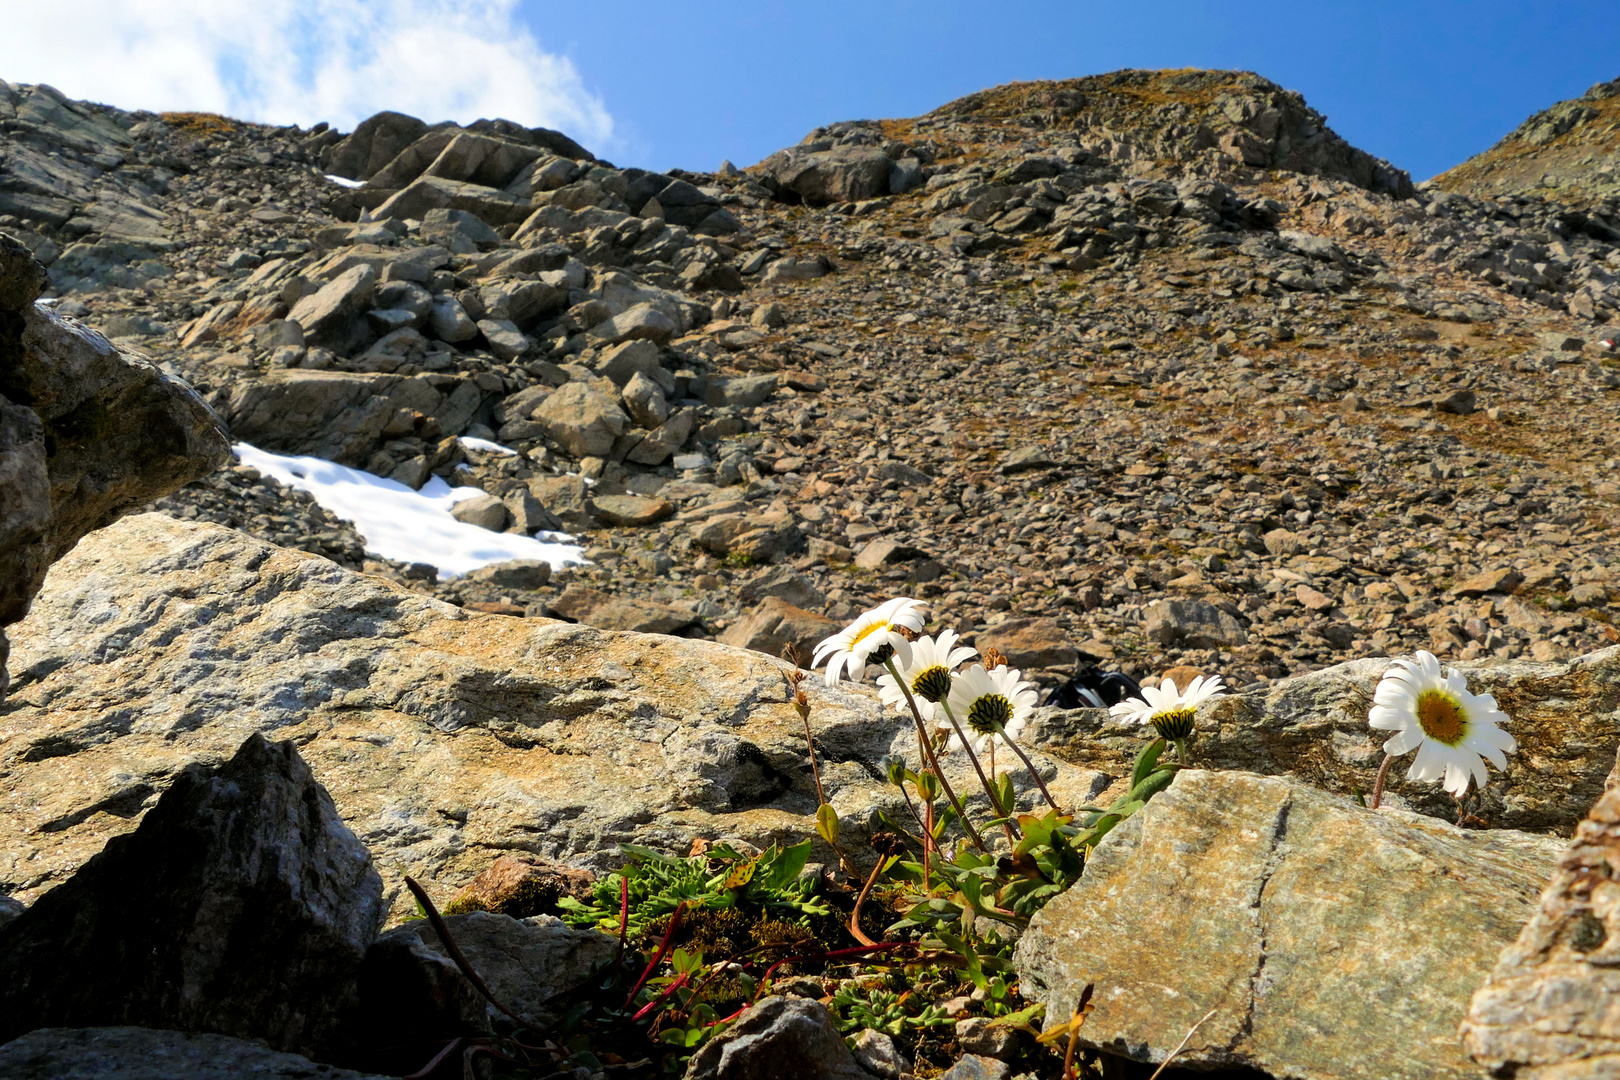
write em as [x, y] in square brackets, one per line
[1030, 765]
[933, 761]
[989, 788]
[1183, 754]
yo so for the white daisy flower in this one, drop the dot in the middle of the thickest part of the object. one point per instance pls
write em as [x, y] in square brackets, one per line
[872, 638]
[993, 705]
[1450, 728]
[928, 675]
[1169, 710]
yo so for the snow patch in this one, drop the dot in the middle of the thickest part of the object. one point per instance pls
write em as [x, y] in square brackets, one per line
[405, 525]
[344, 181]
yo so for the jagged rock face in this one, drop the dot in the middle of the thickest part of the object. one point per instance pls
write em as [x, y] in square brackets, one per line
[1547, 1010]
[1569, 152]
[1131, 115]
[1331, 941]
[87, 433]
[242, 905]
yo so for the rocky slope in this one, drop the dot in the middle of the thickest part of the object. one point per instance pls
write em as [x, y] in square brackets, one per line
[1569, 152]
[1089, 364]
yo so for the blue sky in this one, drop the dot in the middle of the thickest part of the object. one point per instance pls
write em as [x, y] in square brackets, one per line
[1425, 83]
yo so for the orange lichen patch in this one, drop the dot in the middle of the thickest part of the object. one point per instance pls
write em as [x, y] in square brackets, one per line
[1192, 87]
[199, 123]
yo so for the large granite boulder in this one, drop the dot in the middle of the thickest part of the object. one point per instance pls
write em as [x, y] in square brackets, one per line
[1551, 1008]
[241, 905]
[88, 432]
[1331, 942]
[447, 738]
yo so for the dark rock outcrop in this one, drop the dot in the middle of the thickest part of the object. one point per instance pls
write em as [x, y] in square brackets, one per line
[242, 905]
[88, 432]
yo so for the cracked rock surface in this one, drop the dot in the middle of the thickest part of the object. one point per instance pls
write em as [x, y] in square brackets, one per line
[1330, 940]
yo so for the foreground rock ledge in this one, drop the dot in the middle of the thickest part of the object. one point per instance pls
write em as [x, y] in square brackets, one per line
[446, 738]
[132, 1053]
[1549, 1010]
[1333, 942]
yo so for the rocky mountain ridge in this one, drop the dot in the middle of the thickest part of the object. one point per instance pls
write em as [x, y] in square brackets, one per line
[1150, 364]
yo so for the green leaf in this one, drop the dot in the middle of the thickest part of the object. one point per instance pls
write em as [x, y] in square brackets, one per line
[827, 823]
[1146, 760]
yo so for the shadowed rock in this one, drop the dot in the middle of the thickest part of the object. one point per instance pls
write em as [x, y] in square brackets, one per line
[241, 905]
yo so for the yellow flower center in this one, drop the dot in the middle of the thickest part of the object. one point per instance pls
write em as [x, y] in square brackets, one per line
[1441, 717]
[866, 632]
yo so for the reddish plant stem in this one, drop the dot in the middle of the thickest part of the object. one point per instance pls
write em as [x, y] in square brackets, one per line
[1378, 785]
[658, 958]
[443, 931]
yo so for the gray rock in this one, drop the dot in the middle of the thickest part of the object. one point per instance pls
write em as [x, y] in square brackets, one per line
[1194, 624]
[621, 362]
[242, 904]
[429, 193]
[10, 908]
[659, 445]
[582, 420]
[524, 574]
[1547, 1009]
[742, 391]
[645, 401]
[641, 322]
[778, 1039]
[449, 322]
[1230, 874]
[1024, 459]
[596, 608]
[977, 1067]
[336, 415]
[876, 1053]
[330, 317]
[483, 510]
[138, 1053]
[783, 583]
[88, 432]
[774, 624]
[842, 174]
[505, 340]
[375, 142]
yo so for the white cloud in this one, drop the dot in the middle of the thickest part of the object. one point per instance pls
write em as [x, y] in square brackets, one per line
[300, 61]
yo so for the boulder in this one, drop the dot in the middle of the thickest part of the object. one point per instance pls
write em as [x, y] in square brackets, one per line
[447, 738]
[742, 391]
[841, 174]
[775, 624]
[1313, 728]
[596, 608]
[375, 142]
[643, 322]
[1193, 624]
[779, 1038]
[581, 419]
[645, 401]
[242, 905]
[521, 886]
[784, 583]
[138, 1053]
[1251, 889]
[88, 432]
[632, 510]
[482, 510]
[336, 415]
[1547, 1010]
[1033, 643]
[490, 205]
[330, 316]
[660, 444]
